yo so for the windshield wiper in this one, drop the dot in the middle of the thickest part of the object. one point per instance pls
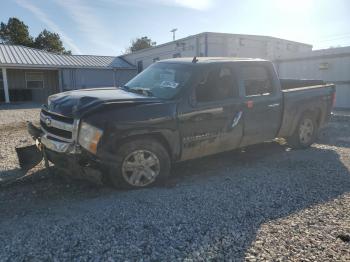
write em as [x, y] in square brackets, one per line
[144, 90]
[124, 87]
[138, 90]
[141, 91]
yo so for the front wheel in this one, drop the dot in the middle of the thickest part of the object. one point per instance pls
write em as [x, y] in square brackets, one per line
[305, 132]
[140, 163]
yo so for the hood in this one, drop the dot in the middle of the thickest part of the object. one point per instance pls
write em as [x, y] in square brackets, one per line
[79, 102]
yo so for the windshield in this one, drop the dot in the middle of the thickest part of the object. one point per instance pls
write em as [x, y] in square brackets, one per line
[162, 80]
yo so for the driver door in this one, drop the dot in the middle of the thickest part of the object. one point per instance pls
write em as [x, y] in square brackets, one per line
[212, 124]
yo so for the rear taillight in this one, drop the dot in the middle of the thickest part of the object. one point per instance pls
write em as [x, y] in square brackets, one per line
[333, 99]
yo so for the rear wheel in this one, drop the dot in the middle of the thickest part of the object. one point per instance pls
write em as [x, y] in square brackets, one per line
[140, 163]
[305, 133]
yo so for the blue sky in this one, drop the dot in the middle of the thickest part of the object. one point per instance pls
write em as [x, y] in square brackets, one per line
[105, 27]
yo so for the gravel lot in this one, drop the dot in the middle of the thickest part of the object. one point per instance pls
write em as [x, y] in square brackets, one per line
[18, 114]
[266, 202]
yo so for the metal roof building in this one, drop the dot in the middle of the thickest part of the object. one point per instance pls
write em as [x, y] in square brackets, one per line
[31, 74]
[12, 55]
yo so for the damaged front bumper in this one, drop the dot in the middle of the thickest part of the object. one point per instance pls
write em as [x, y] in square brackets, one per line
[67, 157]
[58, 146]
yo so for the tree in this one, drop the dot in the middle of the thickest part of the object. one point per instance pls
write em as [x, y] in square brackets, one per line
[51, 42]
[140, 43]
[15, 32]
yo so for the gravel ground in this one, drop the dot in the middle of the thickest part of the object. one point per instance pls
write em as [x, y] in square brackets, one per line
[16, 115]
[13, 133]
[266, 202]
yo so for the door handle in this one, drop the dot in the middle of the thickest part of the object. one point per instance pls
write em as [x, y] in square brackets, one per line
[274, 105]
[236, 119]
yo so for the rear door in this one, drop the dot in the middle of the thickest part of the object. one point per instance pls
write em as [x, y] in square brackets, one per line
[211, 123]
[263, 108]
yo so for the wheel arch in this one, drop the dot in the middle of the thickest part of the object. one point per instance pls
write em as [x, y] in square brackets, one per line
[117, 150]
[160, 137]
[316, 112]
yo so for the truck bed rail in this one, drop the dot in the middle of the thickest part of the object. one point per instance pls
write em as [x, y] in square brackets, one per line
[298, 83]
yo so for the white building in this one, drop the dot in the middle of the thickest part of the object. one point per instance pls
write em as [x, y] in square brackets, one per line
[218, 44]
[331, 65]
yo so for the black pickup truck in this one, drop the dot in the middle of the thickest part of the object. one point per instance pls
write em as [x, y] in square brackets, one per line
[176, 110]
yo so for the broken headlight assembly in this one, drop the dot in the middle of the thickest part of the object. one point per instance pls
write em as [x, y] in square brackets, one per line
[89, 136]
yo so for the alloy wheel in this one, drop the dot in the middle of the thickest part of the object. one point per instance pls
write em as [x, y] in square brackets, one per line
[140, 168]
[306, 130]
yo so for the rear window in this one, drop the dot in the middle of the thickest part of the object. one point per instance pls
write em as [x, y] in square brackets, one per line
[256, 80]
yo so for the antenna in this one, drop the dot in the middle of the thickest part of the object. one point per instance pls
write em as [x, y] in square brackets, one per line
[173, 31]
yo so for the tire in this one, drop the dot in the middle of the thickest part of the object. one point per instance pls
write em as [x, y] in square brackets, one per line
[305, 133]
[140, 163]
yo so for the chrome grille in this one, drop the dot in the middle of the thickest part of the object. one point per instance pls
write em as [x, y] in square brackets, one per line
[57, 126]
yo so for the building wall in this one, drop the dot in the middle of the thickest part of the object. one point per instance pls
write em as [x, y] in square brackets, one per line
[123, 76]
[19, 91]
[89, 78]
[190, 46]
[229, 45]
[217, 44]
[330, 68]
[2, 93]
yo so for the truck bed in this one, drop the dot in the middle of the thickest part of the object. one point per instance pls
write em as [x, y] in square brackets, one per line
[298, 98]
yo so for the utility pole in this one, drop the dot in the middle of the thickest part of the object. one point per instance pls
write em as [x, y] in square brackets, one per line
[173, 31]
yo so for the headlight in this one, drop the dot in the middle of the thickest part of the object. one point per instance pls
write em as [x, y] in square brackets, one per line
[89, 136]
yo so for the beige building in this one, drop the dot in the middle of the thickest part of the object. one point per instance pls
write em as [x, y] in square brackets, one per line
[218, 44]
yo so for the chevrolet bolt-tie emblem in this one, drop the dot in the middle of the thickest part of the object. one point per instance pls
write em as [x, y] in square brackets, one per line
[48, 121]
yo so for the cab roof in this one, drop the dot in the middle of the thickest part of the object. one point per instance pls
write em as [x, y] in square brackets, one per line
[206, 60]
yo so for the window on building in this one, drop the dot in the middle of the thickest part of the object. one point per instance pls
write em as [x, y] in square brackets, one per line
[256, 81]
[323, 66]
[176, 55]
[155, 59]
[139, 66]
[218, 83]
[34, 80]
[241, 42]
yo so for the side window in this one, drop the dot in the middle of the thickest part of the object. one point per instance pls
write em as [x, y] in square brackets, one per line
[219, 83]
[256, 81]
